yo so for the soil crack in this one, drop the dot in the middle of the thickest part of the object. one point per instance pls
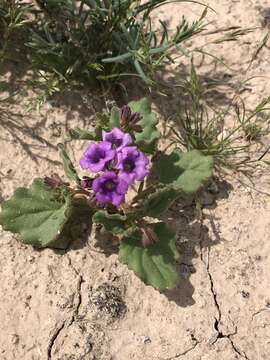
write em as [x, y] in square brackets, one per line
[219, 333]
[54, 338]
[69, 321]
[177, 356]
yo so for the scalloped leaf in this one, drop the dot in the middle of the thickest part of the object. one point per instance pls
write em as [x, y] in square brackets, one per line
[80, 134]
[158, 202]
[114, 120]
[113, 223]
[156, 264]
[68, 165]
[146, 140]
[37, 214]
[184, 171]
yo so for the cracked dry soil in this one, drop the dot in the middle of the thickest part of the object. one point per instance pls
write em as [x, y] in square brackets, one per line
[82, 304]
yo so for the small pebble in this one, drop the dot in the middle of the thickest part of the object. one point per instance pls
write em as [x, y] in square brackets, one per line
[245, 294]
[146, 340]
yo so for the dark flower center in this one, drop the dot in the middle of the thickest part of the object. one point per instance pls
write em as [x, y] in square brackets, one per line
[129, 165]
[115, 141]
[109, 185]
[97, 155]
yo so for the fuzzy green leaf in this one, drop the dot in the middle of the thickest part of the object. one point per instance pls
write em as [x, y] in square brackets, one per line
[80, 134]
[184, 171]
[68, 165]
[156, 264]
[147, 139]
[114, 118]
[157, 203]
[37, 214]
[114, 223]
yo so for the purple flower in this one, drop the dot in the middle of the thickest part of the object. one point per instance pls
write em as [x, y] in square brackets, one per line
[96, 156]
[132, 164]
[117, 138]
[109, 188]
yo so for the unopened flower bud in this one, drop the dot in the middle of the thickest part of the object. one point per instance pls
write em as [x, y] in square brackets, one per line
[149, 237]
[135, 118]
[125, 115]
[53, 181]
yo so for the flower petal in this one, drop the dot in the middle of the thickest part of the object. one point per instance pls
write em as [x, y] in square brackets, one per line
[122, 186]
[117, 199]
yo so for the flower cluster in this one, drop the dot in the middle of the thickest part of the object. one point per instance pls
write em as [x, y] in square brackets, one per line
[120, 162]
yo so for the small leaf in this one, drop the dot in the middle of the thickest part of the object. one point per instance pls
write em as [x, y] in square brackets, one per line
[184, 171]
[80, 134]
[68, 165]
[157, 203]
[37, 214]
[155, 264]
[146, 139]
[114, 118]
[114, 223]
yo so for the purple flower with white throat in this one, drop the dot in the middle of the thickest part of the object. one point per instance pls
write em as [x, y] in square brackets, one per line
[97, 156]
[132, 164]
[109, 188]
[117, 138]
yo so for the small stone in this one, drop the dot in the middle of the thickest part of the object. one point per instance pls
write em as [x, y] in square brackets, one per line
[31, 259]
[15, 339]
[257, 257]
[146, 340]
[245, 294]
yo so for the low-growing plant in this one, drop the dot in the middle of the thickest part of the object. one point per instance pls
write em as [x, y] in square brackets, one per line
[224, 132]
[127, 186]
[88, 41]
[13, 24]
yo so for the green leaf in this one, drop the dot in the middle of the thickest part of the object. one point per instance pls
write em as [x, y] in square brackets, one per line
[146, 140]
[156, 264]
[157, 203]
[184, 171]
[114, 223]
[37, 214]
[114, 118]
[68, 165]
[80, 134]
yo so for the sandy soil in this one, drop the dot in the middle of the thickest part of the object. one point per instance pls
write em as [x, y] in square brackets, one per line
[82, 304]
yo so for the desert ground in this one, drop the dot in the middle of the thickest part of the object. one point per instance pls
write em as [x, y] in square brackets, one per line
[82, 303]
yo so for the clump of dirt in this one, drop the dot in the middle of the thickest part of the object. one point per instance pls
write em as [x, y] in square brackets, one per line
[107, 302]
[265, 16]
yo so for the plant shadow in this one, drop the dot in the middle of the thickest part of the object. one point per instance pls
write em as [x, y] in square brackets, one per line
[192, 236]
[28, 136]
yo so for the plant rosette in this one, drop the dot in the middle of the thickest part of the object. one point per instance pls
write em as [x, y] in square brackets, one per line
[119, 158]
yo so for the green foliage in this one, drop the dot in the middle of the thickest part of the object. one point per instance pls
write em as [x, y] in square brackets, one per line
[146, 140]
[89, 41]
[114, 120]
[81, 134]
[204, 127]
[13, 16]
[113, 223]
[155, 264]
[184, 171]
[68, 165]
[157, 203]
[37, 214]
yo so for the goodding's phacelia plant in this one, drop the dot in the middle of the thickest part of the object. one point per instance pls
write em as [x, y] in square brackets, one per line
[121, 157]
[121, 165]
